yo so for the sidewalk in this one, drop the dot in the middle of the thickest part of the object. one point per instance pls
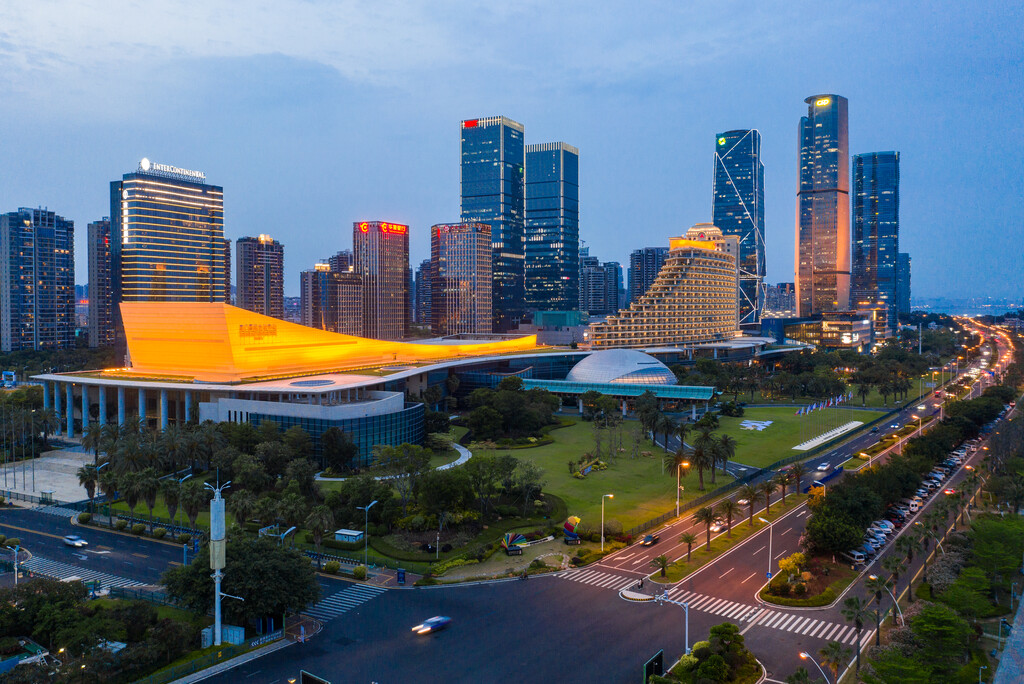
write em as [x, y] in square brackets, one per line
[234, 662]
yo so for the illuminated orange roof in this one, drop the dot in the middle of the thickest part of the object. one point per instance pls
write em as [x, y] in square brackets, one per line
[215, 342]
[680, 243]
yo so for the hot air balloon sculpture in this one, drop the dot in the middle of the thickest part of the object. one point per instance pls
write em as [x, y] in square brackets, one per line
[513, 543]
[571, 537]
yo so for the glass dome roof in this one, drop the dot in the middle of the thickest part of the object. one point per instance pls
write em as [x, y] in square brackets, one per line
[626, 366]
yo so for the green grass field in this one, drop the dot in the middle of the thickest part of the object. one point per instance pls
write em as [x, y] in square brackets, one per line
[775, 442]
[642, 491]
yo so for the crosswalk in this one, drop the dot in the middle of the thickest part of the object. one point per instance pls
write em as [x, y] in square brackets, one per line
[57, 510]
[596, 578]
[62, 571]
[797, 623]
[343, 601]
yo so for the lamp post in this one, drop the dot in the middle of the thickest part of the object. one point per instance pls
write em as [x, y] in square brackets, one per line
[804, 655]
[894, 601]
[16, 549]
[663, 598]
[980, 668]
[769, 545]
[603, 497]
[366, 531]
[679, 487]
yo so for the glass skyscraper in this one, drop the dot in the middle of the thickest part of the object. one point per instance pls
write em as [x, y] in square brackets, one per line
[876, 232]
[381, 260]
[552, 227]
[37, 281]
[903, 283]
[739, 210]
[493, 166]
[101, 316]
[460, 287]
[823, 208]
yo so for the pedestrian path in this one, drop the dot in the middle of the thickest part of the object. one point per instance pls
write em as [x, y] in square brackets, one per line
[596, 578]
[798, 623]
[57, 510]
[63, 571]
[343, 601]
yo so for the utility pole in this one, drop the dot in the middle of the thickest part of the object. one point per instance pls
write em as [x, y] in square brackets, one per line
[217, 552]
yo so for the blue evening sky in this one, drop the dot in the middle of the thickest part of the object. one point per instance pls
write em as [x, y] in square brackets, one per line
[316, 113]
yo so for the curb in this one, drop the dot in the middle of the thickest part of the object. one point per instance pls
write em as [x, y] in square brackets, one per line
[634, 596]
[75, 523]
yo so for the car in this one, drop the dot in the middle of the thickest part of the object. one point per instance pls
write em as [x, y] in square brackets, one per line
[743, 502]
[874, 429]
[949, 491]
[718, 526]
[75, 541]
[650, 540]
[895, 426]
[434, 624]
[824, 467]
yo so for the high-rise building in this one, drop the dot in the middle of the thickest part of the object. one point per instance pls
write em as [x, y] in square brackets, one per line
[823, 208]
[101, 287]
[552, 227]
[600, 284]
[460, 269]
[614, 286]
[37, 281]
[331, 300]
[167, 230]
[260, 275]
[780, 299]
[903, 283]
[693, 299]
[493, 166]
[739, 210]
[876, 232]
[227, 272]
[381, 260]
[644, 266]
[422, 293]
[341, 262]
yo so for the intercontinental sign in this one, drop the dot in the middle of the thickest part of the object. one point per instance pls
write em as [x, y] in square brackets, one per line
[148, 166]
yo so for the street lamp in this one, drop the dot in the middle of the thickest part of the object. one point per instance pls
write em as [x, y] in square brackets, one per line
[366, 531]
[15, 550]
[804, 655]
[679, 488]
[769, 545]
[980, 668]
[603, 497]
[894, 601]
[663, 598]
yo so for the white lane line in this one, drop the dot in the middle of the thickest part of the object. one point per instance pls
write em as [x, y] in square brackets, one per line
[626, 557]
[761, 549]
[748, 579]
[795, 627]
[814, 624]
[780, 555]
[835, 630]
[726, 572]
[785, 623]
[772, 621]
[638, 560]
[739, 610]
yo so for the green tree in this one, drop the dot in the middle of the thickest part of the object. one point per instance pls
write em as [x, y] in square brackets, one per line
[766, 489]
[781, 480]
[406, 464]
[170, 489]
[728, 509]
[92, 441]
[485, 423]
[895, 566]
[131, 489]
[193, 499]
[661, 563]
[943, 637]
[338, 449]
[298, 442]
[797, 472]
[750, 494]
[149, 485]
[855, 610]
[705, 450]
[705, 516]
[108, 485]
[726, 449]
[877, 587]
[833, 656]
[319, 522]
[87, 477]
[689, 539]
[242, 505]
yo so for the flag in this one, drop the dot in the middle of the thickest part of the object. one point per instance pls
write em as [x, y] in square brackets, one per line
[797, 412]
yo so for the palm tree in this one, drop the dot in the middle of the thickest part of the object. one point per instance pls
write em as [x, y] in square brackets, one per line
[797, 471]
[170, 488]
[833, 656]
[895, 566]
[877, 586]
[750, 493]
[242, 505]
[149, 485]
[727, 449]
[171, 442]
[111, 435]
[212, 439]
[781, 479]
[665, 426]
[766, 489]
[266, 510]
[193, 497]
[705, 445]
[705, 516]
[683, 429]
[108, 485]
[48, 422]
[855, 609]
[728, 509]
[128, 483]
[92, 440]
[688, 538]
[87, 476]
[319, 520]
[661, 563]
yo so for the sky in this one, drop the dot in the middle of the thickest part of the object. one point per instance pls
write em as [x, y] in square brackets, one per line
[313, 114]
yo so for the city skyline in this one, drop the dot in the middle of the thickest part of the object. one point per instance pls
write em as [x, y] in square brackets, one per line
[661, 189]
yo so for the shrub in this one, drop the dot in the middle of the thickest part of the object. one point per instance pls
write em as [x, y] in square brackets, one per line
[507, 511]
[120, 524]
[84, 518]
[3, 538]
[138, 529]
[332, 567]
[538, 563]
[159, 533]
[184, 538]
[12, 542]
[701, 650]
[359, 572]
[800, 589]
[686, 664]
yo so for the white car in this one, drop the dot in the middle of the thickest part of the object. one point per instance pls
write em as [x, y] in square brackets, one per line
[824, 467]
[75, 541]
[743, 502]
[717, 526]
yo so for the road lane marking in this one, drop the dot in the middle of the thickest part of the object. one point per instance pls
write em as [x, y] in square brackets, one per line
[749, 578]
[638, 560]
[760, 549]
[140, 555]
[783, 553]
[726, 572]
[785, 623]
[25, 529]
[105, 548]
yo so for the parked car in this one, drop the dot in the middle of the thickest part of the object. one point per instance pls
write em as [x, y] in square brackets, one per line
[885, 523]
[75, 541]
[854, 556]
[434, 624]
[650, 540]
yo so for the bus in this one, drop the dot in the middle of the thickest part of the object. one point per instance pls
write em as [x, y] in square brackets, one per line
[8, 379]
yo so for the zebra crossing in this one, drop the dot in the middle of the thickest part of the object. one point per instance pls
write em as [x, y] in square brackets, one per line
[797, 623]
[343, 601]
[62, 571]
[57, 510]
[596, 578]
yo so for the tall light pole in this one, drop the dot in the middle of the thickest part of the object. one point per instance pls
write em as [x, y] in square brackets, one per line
[603, 497]
[804, 655]
[663, 598]
[980, 668]
[366, 532]
[769, 545]
[894, 601]
[217, 552]
[679, 487]
[16, 549]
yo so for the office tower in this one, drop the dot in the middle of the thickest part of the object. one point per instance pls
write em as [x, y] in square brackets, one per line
[460, 270]
[37, 281]
[739, 210]
[600, 285]
[331, 300]
[493, 162]
[101, 288]
[903, 283]
[341, 262]
[644, 266]
[823, 208]
[260, 275]
[227, 271]
[381, 260]
[693, 299]
[167, 229]
[422, 294]
[876, 232]
[613, 285]
[552, 227]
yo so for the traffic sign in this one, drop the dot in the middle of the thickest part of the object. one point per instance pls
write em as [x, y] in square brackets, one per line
[655, 666]
[769, 573]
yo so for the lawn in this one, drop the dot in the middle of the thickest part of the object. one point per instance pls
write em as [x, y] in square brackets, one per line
[160, 511]
[759, 449]
[642, 491]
